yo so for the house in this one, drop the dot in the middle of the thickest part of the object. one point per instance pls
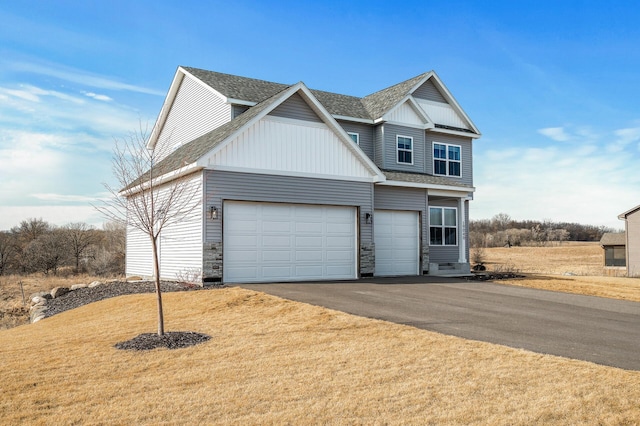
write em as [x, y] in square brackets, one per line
[300, 185]
[614, 256]
[632, 227]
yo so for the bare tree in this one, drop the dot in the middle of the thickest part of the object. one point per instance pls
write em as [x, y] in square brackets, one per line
[80, 237]
[47, 252]
[8, 249]
[151, 196]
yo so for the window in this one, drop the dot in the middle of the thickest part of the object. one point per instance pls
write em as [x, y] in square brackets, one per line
[405, 149]
[615, 256]
[446, 159]
[355, 137]
[443, 226]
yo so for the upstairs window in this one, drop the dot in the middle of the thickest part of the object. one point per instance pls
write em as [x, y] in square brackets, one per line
[447, 159]
[354, 137]
[405, 149]
[443, 226]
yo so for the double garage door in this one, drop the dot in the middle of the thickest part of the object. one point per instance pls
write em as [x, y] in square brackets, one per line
[269, 242]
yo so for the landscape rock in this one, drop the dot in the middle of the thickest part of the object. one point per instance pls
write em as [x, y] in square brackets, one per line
[77, 286]
[94, 284]
[43, 294]
[35, 300]
[59, 291]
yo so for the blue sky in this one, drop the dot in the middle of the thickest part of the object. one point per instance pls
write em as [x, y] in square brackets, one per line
[554, 87]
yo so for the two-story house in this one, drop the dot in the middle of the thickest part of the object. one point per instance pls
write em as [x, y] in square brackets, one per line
[297, 184]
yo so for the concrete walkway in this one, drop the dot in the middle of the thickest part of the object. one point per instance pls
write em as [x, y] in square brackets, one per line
[604, 331]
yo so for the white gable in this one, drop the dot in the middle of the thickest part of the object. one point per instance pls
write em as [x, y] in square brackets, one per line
[291, 147]
[442, 113]
[405, 114]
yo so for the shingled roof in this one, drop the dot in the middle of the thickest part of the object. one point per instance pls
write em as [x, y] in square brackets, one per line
[613, 239]
[253, 90]
[422, 179]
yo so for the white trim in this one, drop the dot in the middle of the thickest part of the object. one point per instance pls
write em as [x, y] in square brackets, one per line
[462, 247]
[183, 171]
[413, 126]
[454, 132]
[413, 104]
[354, 119]
[297, 122]
[234, 101]
[357, 135]
[428, 186]
[446, 159]
[290, 173]
[404, 150]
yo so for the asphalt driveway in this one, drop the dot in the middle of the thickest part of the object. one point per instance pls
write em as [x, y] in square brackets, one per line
[604, 331]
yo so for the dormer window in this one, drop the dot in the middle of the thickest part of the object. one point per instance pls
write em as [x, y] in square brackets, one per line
[354, 137]
[405, 149]
[447, 159]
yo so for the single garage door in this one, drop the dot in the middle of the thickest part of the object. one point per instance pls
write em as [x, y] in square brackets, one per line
[268, 242]
[397, 242]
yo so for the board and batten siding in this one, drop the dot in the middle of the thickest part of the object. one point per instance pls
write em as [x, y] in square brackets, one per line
[223, 185]
[195, 111]
[429, 92]
[181, 242]
[288, 146]
[441, 113]
[295, 107]
[391, 131]
[406, 115]
[398, 198]
[366, 133]
[466, 146]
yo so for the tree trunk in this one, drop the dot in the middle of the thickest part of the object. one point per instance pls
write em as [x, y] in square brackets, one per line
[156, 270]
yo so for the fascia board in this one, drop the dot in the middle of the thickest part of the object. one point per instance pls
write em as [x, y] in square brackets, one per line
[354, 119]
[452, 101]
[455, 189]
[623, 216]
[205, 85]
[167, 177]
[166, 107]
[455, 132]
[342, 134]
[240, 102]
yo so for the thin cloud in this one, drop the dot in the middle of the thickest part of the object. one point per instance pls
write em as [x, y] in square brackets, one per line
[97, 97]
[65, 198]
[556, 133]
[81, 77]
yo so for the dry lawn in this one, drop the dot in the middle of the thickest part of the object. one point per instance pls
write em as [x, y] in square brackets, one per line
[570, 268]
[13, 310]
[272, 361]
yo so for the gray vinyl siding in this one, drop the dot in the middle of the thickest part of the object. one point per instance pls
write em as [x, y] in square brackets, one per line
[378, 146]
[398, 198]
[633, 244]
[295, 107]
[467, 155]
[390, 148]
[236, 110]
[366, 135]
[429, 92]
[445, 254]
[221, 186]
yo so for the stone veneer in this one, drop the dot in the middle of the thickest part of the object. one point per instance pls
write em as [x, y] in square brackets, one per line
[367, 259]
[425, 259]
[212, 262]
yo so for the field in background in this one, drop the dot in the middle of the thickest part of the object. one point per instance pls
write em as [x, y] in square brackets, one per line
[273, 361]
[572, 267]
[13, 311]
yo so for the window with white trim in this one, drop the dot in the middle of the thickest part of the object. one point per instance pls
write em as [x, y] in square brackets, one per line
[443, 226]
[447, 159]
[354, 137]
[404, 146]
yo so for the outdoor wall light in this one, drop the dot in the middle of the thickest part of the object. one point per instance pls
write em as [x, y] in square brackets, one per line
[368, 218]
[213, 212]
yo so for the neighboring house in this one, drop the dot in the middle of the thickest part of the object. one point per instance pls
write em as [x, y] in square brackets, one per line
[614, 246]
[632, 227]
[300, 185]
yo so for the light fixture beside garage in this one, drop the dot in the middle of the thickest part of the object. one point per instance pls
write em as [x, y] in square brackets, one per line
[213, 212]
[368, 218]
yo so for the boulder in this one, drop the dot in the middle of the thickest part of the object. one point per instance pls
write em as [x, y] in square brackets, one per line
[94, 284]
[59, 291]
[43, 294]
[77, 286]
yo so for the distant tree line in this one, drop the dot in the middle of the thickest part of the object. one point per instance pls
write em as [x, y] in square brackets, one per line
[38, 246]
[502, 230]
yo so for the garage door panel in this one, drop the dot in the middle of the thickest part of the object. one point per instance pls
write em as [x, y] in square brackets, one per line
[397, 242]
[288, 242]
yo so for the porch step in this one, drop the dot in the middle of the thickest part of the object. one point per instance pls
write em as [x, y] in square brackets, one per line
[450, 269]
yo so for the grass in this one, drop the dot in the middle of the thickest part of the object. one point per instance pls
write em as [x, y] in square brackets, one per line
[570, 268]
[272, 361]
[13, 311]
